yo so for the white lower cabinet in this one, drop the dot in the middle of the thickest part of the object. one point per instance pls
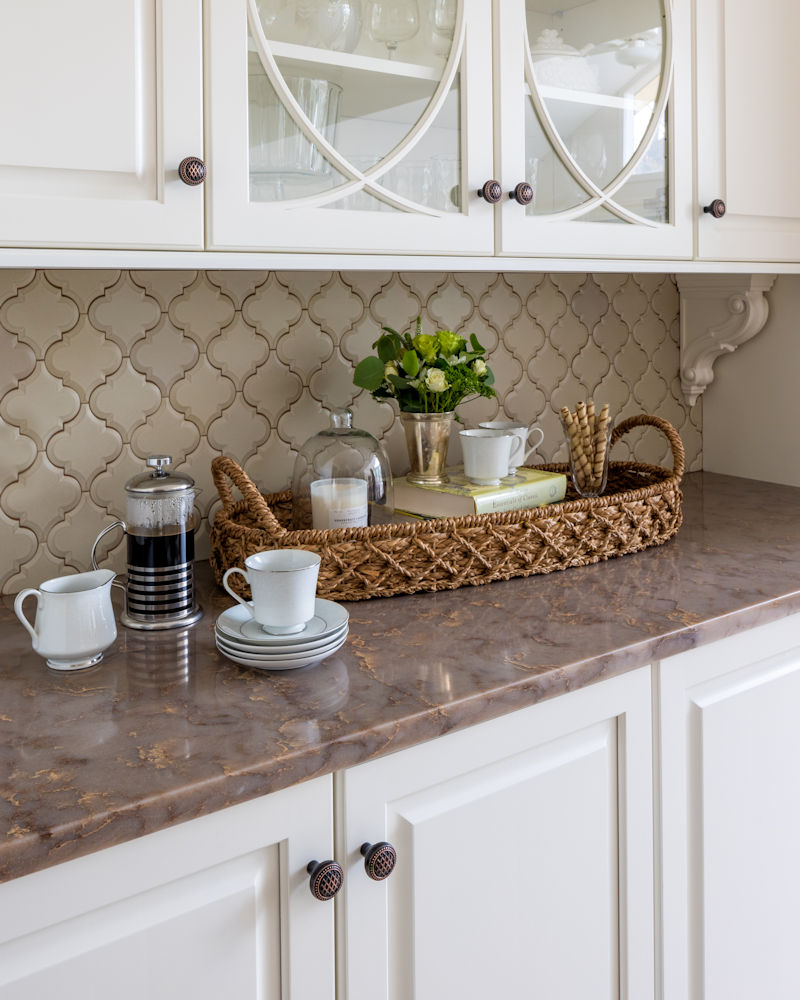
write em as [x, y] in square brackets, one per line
[730, 724]
[217, 907]
[524, 857]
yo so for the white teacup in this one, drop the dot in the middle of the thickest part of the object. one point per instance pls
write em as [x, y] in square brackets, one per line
[283, 583]
[74, 621]
[523, 432]
[488, 452]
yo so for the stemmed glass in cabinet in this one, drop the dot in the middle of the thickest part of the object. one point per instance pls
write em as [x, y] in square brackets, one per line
[392, 22]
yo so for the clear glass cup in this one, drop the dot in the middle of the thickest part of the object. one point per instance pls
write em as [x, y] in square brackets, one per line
[392, 22]
[588, 463]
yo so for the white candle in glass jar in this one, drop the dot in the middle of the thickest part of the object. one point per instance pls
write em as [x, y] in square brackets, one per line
[338, 503]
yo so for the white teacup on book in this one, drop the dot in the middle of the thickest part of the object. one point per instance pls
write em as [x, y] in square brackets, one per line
[283, 583]
[521, 431]
[488, 453]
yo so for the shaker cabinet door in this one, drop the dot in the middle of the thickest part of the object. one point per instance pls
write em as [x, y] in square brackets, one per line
[101, 102]
[216, 907]
[595, 118]
[730, 758]
[349, 127]
[748, 145]
[524, 857]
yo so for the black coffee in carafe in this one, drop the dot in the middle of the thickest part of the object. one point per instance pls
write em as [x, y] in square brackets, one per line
[159, 590]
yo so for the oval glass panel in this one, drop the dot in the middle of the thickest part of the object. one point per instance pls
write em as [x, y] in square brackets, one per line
[356, 103]
[597, 93]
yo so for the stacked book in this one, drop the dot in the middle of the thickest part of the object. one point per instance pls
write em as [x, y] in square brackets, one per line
[527, 488]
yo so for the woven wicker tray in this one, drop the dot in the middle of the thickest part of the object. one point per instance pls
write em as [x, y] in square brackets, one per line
[641, 508]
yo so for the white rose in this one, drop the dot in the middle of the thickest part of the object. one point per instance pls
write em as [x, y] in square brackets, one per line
[390, 369]
[479, 367]
[435, 380]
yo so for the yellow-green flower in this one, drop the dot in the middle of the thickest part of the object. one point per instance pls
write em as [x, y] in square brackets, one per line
[426, 345]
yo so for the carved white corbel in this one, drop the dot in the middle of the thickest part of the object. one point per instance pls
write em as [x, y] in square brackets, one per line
[719, 312]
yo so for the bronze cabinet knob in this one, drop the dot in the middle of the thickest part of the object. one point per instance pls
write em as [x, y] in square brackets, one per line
[379, 860]
[492, 191]
[326, 879]
[192, 170]
[522, 193]
[716, 209]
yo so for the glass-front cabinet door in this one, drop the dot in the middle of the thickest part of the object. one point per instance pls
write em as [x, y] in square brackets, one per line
[595, 129]
[349, 125]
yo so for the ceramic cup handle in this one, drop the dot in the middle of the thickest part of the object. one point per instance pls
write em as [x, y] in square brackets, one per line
[532, 447]
[241, 600]
[515, 457]
[30, 592]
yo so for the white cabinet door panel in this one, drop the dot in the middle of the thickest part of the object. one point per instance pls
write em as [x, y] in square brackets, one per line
[731, 756]
[748, 81]
[216, 907]
[101, 103]
[524, 857]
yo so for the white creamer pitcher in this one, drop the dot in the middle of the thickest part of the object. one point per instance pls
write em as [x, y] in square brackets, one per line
[74, 619]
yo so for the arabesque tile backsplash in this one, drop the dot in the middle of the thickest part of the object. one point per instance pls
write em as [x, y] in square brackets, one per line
[100, 368]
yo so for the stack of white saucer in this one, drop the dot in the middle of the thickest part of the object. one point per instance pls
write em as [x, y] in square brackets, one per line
[242, 639]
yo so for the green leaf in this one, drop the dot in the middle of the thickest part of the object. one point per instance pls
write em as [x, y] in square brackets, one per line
[410, 362]
[369, 373]
[476, 344]
[398, 382]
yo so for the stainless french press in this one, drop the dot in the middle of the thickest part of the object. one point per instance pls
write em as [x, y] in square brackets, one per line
[159, 525]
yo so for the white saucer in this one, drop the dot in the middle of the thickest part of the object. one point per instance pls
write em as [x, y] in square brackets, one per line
[238, 623]
[277, 662]
[254, 649]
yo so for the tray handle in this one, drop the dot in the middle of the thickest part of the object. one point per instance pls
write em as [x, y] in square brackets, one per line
[666, 428]
[225, 471]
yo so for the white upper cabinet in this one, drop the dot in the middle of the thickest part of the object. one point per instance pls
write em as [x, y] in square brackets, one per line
[595, 118]
[343, 126]
[101, 102]
[748, 81]
[339, 126]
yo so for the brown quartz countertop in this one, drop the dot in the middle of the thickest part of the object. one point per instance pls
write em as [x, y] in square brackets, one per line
[165, 728]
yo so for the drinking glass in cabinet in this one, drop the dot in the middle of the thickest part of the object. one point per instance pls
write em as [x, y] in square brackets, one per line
[323, 24]
[392, 22]
[442, 18]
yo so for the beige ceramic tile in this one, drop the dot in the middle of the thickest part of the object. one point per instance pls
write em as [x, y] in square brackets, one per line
[237, 285]
[272, 389]
[307, 417]
[17, 361]
[367, 283]
[18, 453]
[336, 307]
[165, 432]
[18, 546]
[125, 400]
[272, 309]
[239, 432]
[501, 306]
[39, 314]
[164, 286]
[41, 496]
[84, 447]
[165, 355]
[83, 358]
[40, 405]
[72, 538]
[271, 466]
[332, 384]
[12, 279]
[395, 306]
[305, 348]
[449, 308]
[238, 351]
[124, 313]
[33, 572]
[304, 285]
[108, 488]
[201, 311]
[83, 287]
[202, 395]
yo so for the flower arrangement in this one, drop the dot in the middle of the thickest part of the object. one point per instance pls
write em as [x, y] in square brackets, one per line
[425, 373]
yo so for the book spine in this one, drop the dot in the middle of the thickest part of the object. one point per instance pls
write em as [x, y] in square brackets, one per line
[530, 495]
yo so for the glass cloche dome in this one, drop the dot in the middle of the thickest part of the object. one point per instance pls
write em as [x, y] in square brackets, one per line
[342, 478]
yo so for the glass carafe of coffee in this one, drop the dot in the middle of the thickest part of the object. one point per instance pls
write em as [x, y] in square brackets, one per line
[159, 524]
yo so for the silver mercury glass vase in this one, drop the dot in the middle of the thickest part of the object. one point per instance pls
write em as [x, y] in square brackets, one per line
[427, 438]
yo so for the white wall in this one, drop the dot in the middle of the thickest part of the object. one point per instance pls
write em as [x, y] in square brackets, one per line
[751, 411]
